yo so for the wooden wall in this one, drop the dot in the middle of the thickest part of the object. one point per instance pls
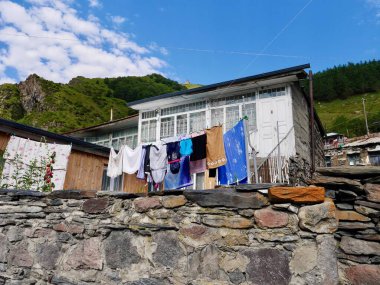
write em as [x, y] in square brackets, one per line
[84, 171]
[132, 184]
[4, 139]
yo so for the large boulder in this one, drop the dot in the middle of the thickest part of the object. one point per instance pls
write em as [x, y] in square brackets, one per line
[358, 247]
[300, 195]
[320, 218]
[268, 266]
[119, 251]
[269, 218]
[363, 274]
[373, 192]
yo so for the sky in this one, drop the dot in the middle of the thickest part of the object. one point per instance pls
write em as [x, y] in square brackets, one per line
[202, 41]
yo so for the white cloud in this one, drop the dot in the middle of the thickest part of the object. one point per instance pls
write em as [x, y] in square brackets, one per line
[118, 20]
[375, 4]
[50, 38]
[94, 3]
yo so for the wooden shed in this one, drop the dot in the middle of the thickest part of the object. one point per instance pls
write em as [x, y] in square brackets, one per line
[87, 164]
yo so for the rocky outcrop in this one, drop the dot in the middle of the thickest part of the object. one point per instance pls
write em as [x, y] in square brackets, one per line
[32, 94]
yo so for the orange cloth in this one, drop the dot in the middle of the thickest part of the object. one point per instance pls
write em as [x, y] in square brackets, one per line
[215, 154]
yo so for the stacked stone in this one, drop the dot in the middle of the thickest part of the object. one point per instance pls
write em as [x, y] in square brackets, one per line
[223, 236]
[356, 193]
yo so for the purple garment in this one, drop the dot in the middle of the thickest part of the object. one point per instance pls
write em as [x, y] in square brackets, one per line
[182, 178]
[198, 166]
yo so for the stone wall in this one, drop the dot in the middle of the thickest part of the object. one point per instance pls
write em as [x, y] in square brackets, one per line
[356, 193]
[228, 236]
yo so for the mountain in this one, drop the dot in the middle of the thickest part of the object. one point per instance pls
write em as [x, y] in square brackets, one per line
[338, 92]
[80, 103]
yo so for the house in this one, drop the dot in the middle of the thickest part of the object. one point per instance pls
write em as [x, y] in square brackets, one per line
[358, 151]
[278, 126]
[278, 112]
[111, 134]
[87, 163]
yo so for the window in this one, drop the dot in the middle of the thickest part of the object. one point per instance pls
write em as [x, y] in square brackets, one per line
[197, 121]
[353, 158]
[274, 92]
[217, 116]
[328, 161]
[107, 182]
[183, 108]
[232, 116]
[181, 124]
[149, 114]
[167, 127]
[374, 158]
[148, 131]
[249, 110]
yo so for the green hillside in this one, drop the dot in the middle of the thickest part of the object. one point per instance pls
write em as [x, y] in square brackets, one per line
[81, 103]
[347, 116]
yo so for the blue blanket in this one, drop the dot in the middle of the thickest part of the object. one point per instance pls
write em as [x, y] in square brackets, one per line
[180, 179]
[235, 170]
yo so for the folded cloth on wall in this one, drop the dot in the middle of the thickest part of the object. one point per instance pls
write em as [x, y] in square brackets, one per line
[198, 166]
[28, 152]
[141, 172]
[131, 159]
[236, 167]
[215, 154]
[199, 147]
[115, 163]
[180, 179]
[186, 147]
[158, 162]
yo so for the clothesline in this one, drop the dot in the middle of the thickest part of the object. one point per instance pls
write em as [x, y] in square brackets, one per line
[173, 162]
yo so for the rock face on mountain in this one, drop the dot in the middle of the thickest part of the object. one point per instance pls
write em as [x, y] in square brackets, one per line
[81, 103]
[32, 95]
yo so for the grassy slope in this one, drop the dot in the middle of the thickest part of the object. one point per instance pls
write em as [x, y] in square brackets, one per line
[351, 109]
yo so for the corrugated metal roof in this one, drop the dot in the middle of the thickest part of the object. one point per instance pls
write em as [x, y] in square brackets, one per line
[375, 140]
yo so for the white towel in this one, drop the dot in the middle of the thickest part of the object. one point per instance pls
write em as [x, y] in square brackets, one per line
[131, 159]
[158, 161]
[115, 163]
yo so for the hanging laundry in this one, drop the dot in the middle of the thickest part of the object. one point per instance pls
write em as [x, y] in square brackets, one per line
[141, 172]
[172, 150]
[158, 162]
[147, 159]
[235, 170]
[115, 163]
[198, 166]
[199, 147]
[215, 154]
[180, 179]
[23, 154]
[186, 147]
[131, 159]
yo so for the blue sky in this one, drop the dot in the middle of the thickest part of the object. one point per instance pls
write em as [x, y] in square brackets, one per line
[203, 41]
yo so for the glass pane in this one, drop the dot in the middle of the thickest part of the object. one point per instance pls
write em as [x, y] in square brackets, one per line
[249, 110]
[181, 124]
[232, 116]
[148, 131]
[197, 121]
[200, 181]
[217, 116]
[167, 127]
[152, 130]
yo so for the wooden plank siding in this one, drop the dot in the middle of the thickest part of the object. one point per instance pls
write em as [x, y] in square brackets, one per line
[4, 139]
[132, 184]
[84, 171]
